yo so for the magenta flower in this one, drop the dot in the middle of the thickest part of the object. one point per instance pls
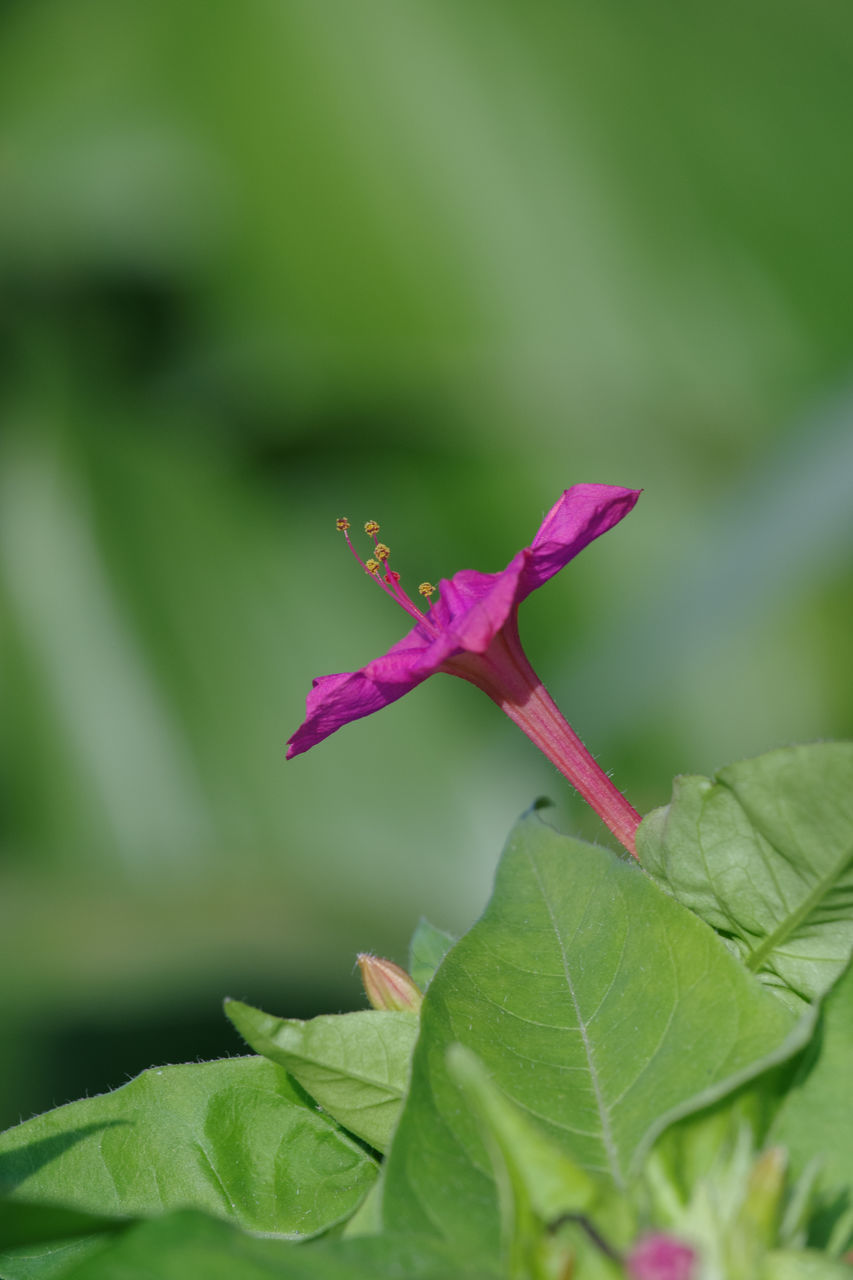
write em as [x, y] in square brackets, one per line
[471, 631]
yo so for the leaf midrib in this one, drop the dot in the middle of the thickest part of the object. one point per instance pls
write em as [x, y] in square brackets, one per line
[786, 928]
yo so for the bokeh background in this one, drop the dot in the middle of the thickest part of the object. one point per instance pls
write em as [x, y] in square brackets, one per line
[429, 262]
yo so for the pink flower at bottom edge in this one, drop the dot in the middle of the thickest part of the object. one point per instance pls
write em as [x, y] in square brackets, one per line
[471, 631]
[661, 1257]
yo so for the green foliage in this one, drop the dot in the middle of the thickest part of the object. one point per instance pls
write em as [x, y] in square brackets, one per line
[598, 1004]
[234, 1138]
[356, 1065]
[543, 1195]
[802, 1264]
[189, 1244]
[764, 853]
[815, 1115]
[22, 1223]
[593, 1066]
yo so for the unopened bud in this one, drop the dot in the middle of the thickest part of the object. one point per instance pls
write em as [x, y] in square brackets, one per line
[387, 986]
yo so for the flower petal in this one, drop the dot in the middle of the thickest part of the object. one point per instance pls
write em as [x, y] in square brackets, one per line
[335, 700]
[578, 517]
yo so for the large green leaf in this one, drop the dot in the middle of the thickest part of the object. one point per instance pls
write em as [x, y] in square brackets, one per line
[234, 1138]
[764, 854]
[816, 1116]
[536, 1171]
[544, 1197]
[356, 1065]
[186, 1245]
[598, 1004]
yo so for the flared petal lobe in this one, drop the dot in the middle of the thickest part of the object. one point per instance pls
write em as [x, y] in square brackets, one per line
[582, 514]
[337, 699]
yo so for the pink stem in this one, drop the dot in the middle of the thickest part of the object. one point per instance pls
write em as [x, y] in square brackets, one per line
[504, 673]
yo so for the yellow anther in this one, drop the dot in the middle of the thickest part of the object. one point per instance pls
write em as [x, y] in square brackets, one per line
[371, 528]
[382, 552]
[372, 566]
[342, 524]
[426, 589]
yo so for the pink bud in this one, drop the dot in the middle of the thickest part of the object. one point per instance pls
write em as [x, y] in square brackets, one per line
[388, 987]
[661, 1257]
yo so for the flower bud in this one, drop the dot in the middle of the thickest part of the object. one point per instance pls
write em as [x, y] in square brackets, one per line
[661, 1257]
[387, 986]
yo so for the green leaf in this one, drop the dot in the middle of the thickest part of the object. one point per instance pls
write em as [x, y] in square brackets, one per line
[697, 1146]
[23, 1223]
[598, 1005]
[764, 854]
[816, 1118]
[538, 1185]
[189, 1244]
[427, 949]
[538, 1170]
[355, 1065]
[51, 1261]
[231, 1137]
[42, 1240]
[367, 1219]
[802, 1264]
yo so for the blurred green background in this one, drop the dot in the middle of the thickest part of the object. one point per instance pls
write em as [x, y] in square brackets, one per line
[266, 263]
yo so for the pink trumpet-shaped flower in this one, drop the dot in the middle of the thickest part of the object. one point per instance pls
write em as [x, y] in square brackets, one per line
[471, 631]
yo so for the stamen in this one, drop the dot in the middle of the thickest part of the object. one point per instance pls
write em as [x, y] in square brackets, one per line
[390, 582]
[402, 598]
[426, 589]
